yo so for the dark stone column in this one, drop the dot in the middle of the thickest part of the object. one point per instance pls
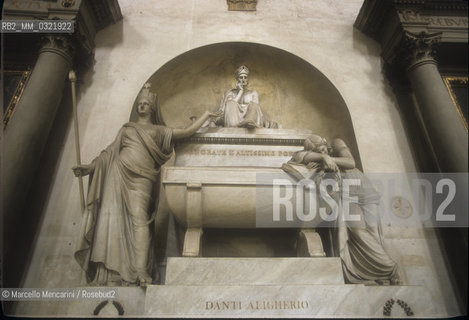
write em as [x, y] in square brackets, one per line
[28, 130]
[422, 150]
[448, 138]
[442, 122]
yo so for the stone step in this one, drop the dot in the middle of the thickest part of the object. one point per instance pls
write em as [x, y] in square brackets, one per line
[291, 301]
[253, 271]
[113, 302]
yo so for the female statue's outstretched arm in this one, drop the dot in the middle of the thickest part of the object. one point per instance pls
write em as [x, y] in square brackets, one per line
[190, 130]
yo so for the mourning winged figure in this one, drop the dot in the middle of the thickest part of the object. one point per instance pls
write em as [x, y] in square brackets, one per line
[116, 233]
[360, 244]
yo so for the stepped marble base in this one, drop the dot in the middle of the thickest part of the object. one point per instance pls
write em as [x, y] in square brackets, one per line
[287, 301]
[277, 288]
[253, 271]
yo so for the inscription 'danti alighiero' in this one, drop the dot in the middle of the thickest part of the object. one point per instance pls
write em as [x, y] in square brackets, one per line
[241, 153]
[257, 305]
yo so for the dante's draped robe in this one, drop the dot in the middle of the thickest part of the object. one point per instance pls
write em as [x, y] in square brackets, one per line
[115, 240]
[239, 114]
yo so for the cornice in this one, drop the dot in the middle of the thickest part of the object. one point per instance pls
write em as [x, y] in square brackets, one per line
[242, 141]
[376, 16]
[435, 4]
[390, 22]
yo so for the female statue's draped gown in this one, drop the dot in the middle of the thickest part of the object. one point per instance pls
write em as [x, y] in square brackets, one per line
[115, 236]
[359, 244]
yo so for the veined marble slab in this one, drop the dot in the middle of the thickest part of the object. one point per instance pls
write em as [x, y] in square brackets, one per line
[222, 176]
[293, 301]
[259, 271]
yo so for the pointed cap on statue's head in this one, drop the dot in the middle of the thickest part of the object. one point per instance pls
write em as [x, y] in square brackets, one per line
[145, 93]
[242, 70]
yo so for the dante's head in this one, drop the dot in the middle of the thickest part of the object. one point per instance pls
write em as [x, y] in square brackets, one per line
[317, 144]
[242, 75]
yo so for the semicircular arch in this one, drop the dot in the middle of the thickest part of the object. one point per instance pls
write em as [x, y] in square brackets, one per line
[291, 90]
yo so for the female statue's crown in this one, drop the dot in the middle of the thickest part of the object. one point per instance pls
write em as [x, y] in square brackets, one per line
[242, 70]
[147, 94]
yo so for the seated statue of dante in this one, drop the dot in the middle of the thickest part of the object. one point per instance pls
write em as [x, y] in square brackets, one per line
[360, 244]
[240, 106]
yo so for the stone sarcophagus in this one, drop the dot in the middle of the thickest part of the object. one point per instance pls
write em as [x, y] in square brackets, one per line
[219, 174]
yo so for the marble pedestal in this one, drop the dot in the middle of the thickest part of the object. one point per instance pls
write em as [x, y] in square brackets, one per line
[277, 288]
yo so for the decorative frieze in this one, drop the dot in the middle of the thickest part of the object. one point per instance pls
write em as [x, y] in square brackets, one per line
[415, 17]
[241, 140]
[242, 5]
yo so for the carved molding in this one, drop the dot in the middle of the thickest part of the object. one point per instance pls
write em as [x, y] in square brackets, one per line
[450, 83]
[435, 5]
[242, 5]
[243, 141]
[418, 49]
[411, 16]
[18, 89]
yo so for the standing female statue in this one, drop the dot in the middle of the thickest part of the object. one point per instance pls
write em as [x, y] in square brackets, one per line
[116, 235]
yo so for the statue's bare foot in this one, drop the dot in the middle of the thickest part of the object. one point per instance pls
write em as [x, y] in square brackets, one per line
[143, 280]
[250, 124]
[270, 124]
[383, 282]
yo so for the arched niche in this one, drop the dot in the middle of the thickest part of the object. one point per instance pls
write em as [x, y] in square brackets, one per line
[291, 91]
